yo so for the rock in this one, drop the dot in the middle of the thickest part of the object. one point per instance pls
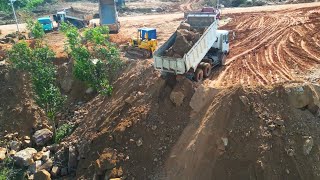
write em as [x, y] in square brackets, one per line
[271, 127]
[290, 152]
[181, 45]
[12, 153]
[3, 152]
[307, 146]
[120, 171]
[27, 142]
[15, 145]
[31, 177]
[42, 175]
[154, 127]
[38, 155]
[65, 77]
[279, 122]
[245, 102]
[47, 165]
[115, 179]
[55, 171]
[41, 137]
[33, 168]
[299, 96]
[90, 90]
[177, 97]
[185, 26]
[46, 156]
[64, 171]
[72, 162]
[24, 157]
[225, 141]
[139, 142]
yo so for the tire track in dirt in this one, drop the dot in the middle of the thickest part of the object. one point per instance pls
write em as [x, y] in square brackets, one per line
[272, 47]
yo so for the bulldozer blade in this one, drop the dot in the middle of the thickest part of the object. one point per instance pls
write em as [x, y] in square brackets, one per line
[138, 52]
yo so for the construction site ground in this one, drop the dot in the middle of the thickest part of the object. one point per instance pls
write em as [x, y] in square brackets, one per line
[257, 117]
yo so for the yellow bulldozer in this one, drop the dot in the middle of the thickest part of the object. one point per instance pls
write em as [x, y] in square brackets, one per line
[144, 44]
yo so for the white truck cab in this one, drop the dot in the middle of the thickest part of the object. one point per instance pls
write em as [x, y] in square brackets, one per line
[222, 41]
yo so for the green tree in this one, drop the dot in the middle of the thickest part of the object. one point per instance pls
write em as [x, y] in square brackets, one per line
[96, 64]
[35, 29]
[38, 63]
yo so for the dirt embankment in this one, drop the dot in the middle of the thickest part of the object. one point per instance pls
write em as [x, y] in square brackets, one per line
[270, 48]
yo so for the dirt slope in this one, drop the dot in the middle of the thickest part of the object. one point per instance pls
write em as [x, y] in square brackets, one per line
[265, 138]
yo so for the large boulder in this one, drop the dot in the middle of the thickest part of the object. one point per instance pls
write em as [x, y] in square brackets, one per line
[184, 26]
[42, 175]
[24, 157]
[41, 137]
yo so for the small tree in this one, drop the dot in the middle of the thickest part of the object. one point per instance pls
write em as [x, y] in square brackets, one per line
[38, 63]
[35, 29]
[93, 64]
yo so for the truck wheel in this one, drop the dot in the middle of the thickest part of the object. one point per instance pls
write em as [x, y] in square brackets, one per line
[223, 59]
[198, 75]
[206, 70]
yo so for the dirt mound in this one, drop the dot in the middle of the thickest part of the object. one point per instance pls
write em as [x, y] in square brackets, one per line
[250, 134]
[18, 112]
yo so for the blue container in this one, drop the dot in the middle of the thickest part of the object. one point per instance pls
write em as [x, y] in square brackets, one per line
[152, 33]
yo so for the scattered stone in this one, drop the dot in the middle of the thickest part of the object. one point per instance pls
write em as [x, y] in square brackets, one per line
[27, 142]
[64, 171]
[46, 156]
[155, 159]
[31, 177]
[307, 146]
[3, 152]
[279, 122]
[26, 138]
[139, 142]
[55, 171]
[15, 145]
[225, 141]
[38, 155]
[245, 102]
[41, 137]
[271, 127]
[47, 165]
[115, 179]
[12, 153]
[42, 175]
[177, 97]
[120, 171]
[24, 157]
[33, 168]
[154, 127]
[290, 152]
[90, 90]
[72, 163]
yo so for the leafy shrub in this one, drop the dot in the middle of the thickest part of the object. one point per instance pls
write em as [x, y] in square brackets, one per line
[94, 65]
[35, 28]
[38, 63]
[9, 171]
[62, 132]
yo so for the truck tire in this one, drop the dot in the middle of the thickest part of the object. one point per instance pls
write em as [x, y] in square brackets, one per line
[198, 75]
[223, 58]
[206, 70]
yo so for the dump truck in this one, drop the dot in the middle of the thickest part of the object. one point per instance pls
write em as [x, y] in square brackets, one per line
[109, 15]
[75, 17]
[209, 51]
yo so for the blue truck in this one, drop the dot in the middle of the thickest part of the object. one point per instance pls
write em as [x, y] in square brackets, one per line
[46, 23]
[109, 15]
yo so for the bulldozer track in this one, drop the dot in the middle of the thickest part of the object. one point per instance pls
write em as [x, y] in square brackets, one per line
[271, 47]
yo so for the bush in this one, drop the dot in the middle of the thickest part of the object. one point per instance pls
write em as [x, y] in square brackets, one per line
[62, 132]
[9, 171]
[38, 63]
[93, 65]
[35, 29]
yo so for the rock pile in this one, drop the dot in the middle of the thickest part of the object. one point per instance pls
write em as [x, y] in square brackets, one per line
[186, 38]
